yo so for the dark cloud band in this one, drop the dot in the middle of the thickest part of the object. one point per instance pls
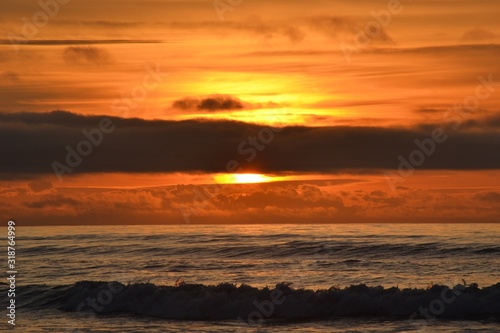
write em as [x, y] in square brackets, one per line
[31, 142]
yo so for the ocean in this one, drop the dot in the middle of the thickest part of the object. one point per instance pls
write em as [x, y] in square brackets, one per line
[258, 278]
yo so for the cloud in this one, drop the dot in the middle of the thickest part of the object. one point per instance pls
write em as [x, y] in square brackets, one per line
[493, 197]
[289, 202]
[57, 42]
[216, 103]
[489, 122]
[461, 51]
[86, 55]
[344, 28]
[102, 24]
[294, 34]
[479, 35]
[212, 103]
[32, 141]
[431, 111]
[58, 117]
[52, 201]
[40, 185]
[269, 30]
[9, 76]
[382, 198]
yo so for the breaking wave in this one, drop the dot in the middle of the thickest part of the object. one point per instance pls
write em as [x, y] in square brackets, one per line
[228, 301]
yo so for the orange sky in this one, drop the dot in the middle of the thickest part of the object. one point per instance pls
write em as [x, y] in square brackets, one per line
[278, 64]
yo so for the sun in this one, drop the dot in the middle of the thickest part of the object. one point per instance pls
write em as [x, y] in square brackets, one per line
[242, 178]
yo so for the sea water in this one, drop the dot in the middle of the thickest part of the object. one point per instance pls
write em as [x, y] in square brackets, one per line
[258, 278]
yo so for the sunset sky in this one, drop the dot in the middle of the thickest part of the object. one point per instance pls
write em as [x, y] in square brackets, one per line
[249, 111]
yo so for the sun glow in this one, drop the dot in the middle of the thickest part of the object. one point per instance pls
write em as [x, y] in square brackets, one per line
[243, 178]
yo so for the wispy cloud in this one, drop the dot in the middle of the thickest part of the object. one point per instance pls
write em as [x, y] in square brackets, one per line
[86, 55]
[48, 42]
[9, 76]
[479, 35]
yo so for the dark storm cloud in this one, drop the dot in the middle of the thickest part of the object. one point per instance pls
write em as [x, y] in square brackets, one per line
[58, 118]
[212, 103]
[30, 142]
[490, 122]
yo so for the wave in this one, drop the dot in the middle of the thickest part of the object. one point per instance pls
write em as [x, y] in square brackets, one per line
[228, 301]
[303, 250]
